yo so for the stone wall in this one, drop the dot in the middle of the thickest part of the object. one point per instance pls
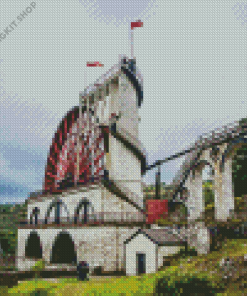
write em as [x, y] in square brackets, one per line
[99, 246]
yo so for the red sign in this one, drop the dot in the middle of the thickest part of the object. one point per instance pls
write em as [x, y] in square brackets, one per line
[156, 209]
[94, 64]
[136, 24]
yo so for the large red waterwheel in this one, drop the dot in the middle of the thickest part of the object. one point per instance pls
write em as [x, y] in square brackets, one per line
[76, 154]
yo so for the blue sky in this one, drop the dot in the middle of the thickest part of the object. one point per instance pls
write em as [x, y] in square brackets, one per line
[192, 56]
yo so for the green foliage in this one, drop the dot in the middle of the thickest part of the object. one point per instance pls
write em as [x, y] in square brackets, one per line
[183, 209]
[186, 284]
[3, 290]
[39, 265]
[31, 286]
[209, 196]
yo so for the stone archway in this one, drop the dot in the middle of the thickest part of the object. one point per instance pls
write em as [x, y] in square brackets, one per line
[196, 196]
[63, 250]
[33, 248]
[234, 173]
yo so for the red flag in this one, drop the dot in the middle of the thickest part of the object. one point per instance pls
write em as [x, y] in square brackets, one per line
[136, 24]
[94, 64]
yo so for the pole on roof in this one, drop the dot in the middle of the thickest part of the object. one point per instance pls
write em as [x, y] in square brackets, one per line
[157, 184]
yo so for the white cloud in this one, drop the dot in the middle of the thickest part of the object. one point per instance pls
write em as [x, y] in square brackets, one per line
[25, 177]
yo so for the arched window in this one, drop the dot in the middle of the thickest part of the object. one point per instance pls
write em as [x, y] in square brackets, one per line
[33, 247]
[57, 213]
[63, 250]
[34, 216]
[84, 213]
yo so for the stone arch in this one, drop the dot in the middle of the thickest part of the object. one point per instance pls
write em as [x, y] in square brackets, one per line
[33, 248]
[63, 249]
[58, 205]
[229, 156]
[34, 215]
[194, 177]
[86, 208]
[183, 191]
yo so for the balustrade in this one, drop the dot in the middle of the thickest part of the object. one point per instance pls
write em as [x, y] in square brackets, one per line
[96, 218]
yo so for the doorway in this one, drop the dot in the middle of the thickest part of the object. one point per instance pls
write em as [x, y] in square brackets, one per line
[141, 263]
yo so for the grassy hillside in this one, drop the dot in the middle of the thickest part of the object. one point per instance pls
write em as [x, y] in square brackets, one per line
[228, 279]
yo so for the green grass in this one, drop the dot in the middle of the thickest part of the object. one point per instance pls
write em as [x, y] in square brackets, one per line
[204, 267]
[3, 290]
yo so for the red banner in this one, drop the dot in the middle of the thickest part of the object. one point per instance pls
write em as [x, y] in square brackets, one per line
[136, 24]
[94, 64]
[156, 209]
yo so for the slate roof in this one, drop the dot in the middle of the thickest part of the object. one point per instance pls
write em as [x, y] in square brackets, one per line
[161, 237]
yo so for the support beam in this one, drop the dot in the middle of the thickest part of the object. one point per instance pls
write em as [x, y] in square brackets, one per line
[221, 212]
[191, 198]
[200, 203]
[227, 187]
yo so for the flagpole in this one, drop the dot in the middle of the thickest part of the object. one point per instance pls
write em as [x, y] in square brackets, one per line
[132, 43]
[136, 24]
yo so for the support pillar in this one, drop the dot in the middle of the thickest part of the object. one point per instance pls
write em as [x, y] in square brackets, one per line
[227, 187]
[221, 209]
[191, 201]
[195, 200]
[200, 204]
[199, 237]
[47, 253]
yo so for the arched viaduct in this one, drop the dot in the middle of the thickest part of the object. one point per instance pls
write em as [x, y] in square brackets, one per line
[216, 150]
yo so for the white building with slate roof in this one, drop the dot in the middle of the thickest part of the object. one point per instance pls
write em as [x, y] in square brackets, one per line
[145, 249]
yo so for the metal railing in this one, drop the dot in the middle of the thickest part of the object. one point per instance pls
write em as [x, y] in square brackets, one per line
[96, 218]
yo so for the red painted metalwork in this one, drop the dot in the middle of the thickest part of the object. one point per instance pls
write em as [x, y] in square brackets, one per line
[62, 159]
[156, 209]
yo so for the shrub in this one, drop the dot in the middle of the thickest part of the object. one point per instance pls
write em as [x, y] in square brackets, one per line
[185, 285]
[39, 265]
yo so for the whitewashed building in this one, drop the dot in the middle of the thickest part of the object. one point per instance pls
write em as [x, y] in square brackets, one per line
[92, 199]
[145, 249]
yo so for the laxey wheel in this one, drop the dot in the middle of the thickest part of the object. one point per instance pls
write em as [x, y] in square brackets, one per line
[73, 152]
